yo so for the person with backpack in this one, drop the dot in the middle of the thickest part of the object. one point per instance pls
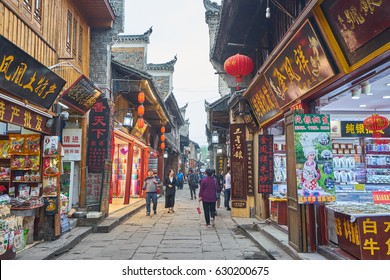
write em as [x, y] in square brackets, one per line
[180, 180]
[193, 181]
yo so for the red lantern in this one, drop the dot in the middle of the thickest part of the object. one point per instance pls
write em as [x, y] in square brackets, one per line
[162, 137]
[162, 146]
[141, 97]
[162, 130]
[238, 66]
[376, 124]
[140, 123]
[141, 110]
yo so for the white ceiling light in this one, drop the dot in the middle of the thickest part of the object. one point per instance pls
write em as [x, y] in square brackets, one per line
[388, 84]
[386, 97]
[362, 105]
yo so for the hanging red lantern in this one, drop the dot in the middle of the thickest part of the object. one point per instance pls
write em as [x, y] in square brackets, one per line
[140, 122]
[162, 130]
[162, 146]
[376, 124]
[162, 137]
[141, 110]
[238, 66]
[141, 97]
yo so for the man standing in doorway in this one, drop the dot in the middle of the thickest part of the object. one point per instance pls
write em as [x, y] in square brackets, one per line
[227, 187]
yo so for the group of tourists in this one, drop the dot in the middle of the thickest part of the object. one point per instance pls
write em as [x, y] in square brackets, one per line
[211, 186]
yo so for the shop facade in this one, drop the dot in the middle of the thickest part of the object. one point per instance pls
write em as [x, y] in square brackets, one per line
[301, 99]
[30, 189]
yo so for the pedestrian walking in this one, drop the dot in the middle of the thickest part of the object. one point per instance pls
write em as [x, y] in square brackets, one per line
[193, 181]
[150, 186]
[208, 196]
[227, 187]
[180, 180]
[170, 183]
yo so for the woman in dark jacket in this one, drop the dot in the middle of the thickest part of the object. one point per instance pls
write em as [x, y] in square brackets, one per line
[170, 183]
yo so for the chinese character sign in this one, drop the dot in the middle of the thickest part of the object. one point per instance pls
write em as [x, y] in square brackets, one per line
[71, 143]
[266, 164]
[249, 167]
[98, 136]
[314, 158]
[81, 95]
[27, 78]
[301, 66]
[238, 161]
[360, 26]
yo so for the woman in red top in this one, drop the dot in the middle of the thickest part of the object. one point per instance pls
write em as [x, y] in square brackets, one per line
[208, 196]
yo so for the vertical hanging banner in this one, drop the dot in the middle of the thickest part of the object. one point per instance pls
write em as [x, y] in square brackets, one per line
[314, 158]
[238, 160]
[98, 149]
[249, 167]
[266, 164]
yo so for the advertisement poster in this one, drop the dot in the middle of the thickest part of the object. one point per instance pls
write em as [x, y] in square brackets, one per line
[312, 138]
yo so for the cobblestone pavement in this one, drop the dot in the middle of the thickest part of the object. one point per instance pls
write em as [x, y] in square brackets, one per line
[169, 236]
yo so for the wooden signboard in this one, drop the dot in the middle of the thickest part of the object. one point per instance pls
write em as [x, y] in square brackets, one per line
[238, 160]
[81, 95]
[25, 77]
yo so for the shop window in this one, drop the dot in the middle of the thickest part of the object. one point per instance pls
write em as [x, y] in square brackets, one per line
[80, 44]
[74, 46]
[69, 31]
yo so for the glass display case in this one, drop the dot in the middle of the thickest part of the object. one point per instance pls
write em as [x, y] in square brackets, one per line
[67, 178]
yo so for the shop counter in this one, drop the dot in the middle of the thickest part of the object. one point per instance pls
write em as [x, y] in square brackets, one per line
[363, 230]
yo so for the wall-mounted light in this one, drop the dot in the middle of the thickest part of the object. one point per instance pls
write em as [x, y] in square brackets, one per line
[267, 10]
[219, 151]
[63, 105]
[128, 120]
[165, 154]
[215, 137]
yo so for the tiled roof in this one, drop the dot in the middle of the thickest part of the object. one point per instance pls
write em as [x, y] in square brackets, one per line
[170, 65]
[143, 38]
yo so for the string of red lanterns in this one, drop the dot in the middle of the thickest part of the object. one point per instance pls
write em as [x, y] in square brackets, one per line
[141, 110]
[162, 138]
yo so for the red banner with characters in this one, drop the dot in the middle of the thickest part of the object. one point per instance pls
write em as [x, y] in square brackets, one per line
[266, 164]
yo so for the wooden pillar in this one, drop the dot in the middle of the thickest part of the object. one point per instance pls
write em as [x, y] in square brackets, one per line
[129, 171]
[83, 165]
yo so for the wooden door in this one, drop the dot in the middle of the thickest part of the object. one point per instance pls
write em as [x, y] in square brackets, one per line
[294, 220]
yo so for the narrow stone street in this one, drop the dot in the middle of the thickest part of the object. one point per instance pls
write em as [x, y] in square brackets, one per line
[165, 236]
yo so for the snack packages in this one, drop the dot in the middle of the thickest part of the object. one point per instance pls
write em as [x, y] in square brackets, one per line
[4, 147]
[16, 144]
[32, 144]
